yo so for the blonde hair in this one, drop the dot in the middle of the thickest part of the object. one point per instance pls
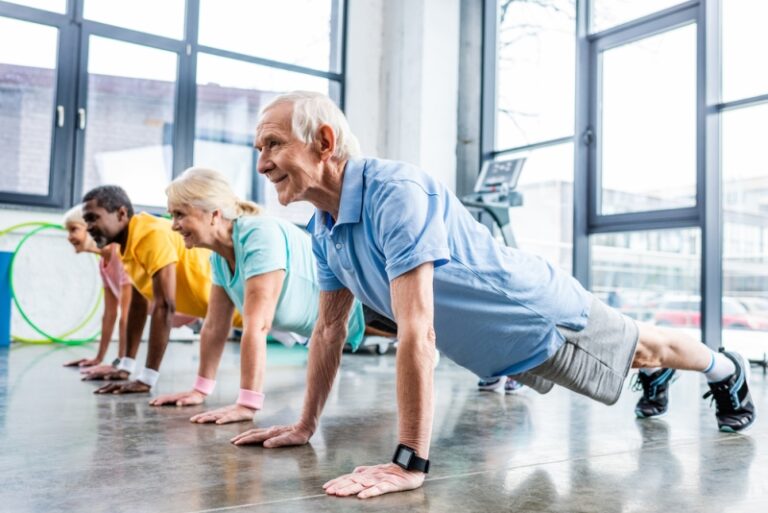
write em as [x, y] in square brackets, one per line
[209, 190]
[74, 216]
[310, 110]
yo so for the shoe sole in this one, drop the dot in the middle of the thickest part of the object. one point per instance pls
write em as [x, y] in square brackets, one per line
[641, 415]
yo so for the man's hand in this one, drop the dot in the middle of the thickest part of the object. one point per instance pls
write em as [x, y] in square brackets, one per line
[83, 362]
[132, 387]
[104, 373]
[225, 415]
[275, 436]
[368, 482]
[190, 398]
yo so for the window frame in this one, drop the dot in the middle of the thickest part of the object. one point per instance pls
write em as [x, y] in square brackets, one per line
[65, 181]
[587, 221]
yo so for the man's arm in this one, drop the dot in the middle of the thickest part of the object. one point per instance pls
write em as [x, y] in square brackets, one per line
[164, 292]
[213, 337]
[137, 318]
[413, 305]
[327, 342]
[262, 292]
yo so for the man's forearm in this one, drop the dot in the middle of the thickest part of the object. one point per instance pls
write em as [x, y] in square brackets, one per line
[415, 391]
[159, 331]
[324, 360]
[137, 318]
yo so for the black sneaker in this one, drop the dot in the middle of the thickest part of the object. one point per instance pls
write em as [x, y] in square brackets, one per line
[655, 400]
[735, 409]
[490, 384]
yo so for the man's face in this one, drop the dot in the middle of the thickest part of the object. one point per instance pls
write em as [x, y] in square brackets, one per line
[287, 162]
[103, 226]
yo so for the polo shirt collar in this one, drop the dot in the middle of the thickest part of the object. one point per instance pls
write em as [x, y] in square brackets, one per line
[351, 201]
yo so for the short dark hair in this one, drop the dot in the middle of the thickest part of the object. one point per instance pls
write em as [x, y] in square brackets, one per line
[110, 198]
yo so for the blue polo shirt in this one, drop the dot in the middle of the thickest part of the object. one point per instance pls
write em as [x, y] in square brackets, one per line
[496, 308]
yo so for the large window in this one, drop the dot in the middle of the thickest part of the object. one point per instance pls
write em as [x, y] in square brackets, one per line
[647, 124]
[534, 119]
[27, 105]
[664, 104]
[131, 93]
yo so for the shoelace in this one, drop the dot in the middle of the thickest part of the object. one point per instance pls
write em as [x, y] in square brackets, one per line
[725, 400]
[638, 383]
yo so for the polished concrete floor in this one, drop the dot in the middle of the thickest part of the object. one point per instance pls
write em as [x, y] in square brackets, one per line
[63, 448]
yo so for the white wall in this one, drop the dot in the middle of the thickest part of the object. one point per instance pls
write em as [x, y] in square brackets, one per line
[402, 81]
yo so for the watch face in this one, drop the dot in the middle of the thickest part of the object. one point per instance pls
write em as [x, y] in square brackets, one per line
[403, 457]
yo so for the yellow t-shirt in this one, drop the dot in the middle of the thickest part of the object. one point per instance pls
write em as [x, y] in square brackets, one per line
[152, 245]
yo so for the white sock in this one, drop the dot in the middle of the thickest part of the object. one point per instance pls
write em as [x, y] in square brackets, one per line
[719, 368]
[649, 370]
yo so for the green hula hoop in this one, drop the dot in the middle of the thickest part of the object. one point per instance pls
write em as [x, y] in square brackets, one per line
[6, 231]
[48, 337]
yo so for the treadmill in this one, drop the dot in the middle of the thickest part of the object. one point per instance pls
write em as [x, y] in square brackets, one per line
[495, 193]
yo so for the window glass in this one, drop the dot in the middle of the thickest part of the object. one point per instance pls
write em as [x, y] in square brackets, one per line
[647, 135]
[745, 48]
[745, 234]
[27, 96]
[59, 6]
[292, 31]
[230, 95]
[164, 18]
[651, 276]
[129, 127]
[609, 13]
[535, 72]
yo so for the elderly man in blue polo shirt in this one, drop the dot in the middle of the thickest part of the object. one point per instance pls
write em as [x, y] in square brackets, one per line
[398, 240]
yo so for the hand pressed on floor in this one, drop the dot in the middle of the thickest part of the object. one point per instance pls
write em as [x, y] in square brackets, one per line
[376, 480]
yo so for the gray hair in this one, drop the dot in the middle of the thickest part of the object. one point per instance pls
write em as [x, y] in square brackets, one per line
[310, 110]
[74, 216]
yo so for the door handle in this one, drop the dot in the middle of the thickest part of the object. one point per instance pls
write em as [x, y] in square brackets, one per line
[60, 116]
[81, 119]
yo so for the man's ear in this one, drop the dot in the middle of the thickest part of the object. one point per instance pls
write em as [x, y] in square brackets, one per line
[325, 142]
[122, 213]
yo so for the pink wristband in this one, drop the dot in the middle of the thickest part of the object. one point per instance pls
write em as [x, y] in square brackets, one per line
[204, 385]
[250, 399]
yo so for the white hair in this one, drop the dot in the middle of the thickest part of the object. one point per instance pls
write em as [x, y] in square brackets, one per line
[74, 216]
[208, 190]
[310, 110]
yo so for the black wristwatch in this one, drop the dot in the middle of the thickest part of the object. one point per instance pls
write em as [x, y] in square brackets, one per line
[406, 458]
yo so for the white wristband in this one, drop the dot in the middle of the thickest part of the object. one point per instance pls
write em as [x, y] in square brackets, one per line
[127, 364]
[148, 376]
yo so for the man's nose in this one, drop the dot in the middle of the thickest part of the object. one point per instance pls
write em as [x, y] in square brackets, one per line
[263, 165]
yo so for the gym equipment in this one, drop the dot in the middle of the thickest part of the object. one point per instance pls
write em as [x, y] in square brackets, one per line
[61, 338]
[495, 193]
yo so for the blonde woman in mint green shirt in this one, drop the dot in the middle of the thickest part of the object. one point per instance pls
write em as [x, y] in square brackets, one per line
[263, 267]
